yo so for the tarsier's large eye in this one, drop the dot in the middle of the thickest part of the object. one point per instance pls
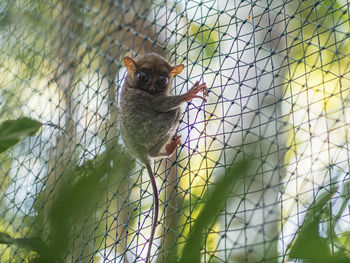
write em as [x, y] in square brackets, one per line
[142, 76]
[162, 81]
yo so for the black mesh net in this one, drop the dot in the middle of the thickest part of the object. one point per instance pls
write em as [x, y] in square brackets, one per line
[278, 74]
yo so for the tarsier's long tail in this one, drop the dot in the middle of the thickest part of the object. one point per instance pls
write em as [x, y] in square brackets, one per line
[155, 211]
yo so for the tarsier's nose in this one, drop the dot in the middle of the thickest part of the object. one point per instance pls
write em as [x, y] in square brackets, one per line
[152, 88]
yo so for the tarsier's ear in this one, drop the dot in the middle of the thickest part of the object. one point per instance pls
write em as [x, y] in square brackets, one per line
[130, 64]
[176, 70]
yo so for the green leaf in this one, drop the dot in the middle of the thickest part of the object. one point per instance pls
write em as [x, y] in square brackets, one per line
[5, 238]
[12, 131]
[34, 244]
[345, 196]
[309, 246]
[74, 204]
[210, 212]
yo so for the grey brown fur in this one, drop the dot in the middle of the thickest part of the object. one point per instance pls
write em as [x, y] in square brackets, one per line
[148, 121]
[149, 115]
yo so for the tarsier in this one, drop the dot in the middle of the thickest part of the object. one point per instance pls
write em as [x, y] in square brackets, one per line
[150, 115]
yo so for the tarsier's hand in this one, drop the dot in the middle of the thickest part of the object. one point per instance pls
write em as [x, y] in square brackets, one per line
[192, 93]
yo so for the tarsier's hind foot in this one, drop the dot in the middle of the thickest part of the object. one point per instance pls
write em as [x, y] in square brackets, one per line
[170, 148]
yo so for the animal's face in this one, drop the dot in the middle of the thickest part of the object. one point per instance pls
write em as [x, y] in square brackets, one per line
[151, 73]
[152, 78]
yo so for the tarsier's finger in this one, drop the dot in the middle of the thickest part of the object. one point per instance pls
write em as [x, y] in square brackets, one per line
[176, 138]
[178, 141]
[199, 97]
[203, 86]
[199, 88]
[195, 84]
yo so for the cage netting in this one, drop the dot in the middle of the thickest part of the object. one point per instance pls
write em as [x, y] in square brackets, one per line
[278, 74]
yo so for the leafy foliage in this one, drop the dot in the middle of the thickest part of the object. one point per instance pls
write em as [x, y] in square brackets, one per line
[211, 210]
[34, 244]
[12, 131]
[74, 205]
[309, 246]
